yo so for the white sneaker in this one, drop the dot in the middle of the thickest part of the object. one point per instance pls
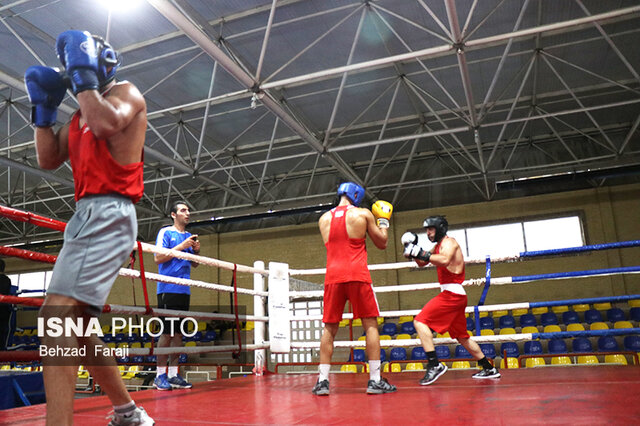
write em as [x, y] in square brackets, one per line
[139, 417]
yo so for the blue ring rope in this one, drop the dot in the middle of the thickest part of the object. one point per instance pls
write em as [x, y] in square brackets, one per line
[593, 247]
[587, 300]
[585, 273]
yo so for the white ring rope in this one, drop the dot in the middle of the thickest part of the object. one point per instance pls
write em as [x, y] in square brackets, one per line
[188, 282]
[135, 310]
[203, 260]
[194, 349]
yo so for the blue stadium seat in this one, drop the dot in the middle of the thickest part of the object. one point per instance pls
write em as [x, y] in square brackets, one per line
[507, 321]
[607, 344]
[581, 344]
[132, 338]
[107, 338]
[196, 337]
[390, 328]
[528, 320]
[209, 336]
[487, 323]
[631, 343]
[592, 315]
[557, 346]
[383, 355]
[182, 358]
[443, 352]
[359, 355]
[488, 350]
[408, 328]
[532, 347]
[123, 359]
[511, 348]
[615, 314]
[418, 353]
[398, 354]
[570, 317]
[548, 318]
[471, 324]
[119, 337]
[138, 359]
[634, 314]
[151, 358]
[461, 352]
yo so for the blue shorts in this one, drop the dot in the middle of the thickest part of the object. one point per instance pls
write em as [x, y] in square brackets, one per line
[97, 241]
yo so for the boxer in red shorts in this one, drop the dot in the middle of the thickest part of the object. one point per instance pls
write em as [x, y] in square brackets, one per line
[445, 312]
[344, 230]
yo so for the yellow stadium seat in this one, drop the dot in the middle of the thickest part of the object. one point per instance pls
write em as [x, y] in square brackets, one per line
[587, 359]
[106, 329]
[202, 326]
[122, 369]
[529, 329]
[147, 344]
[361, 339]
[560, 360]
[634, 303]
[560, 309]
[249, 326]
[581, 307]
[349, 368]
[136, 345]
[413, 366]
[535, 362]
[598, 326]
[602, 306]
[343, 323]
[508, 330]
[615, 359]
[357, 322]
[470, 333]
[123, 345]
[487, 332]
[552, 329]
[446, 334]
[396, 368]
[460, 364]
[622, 324]
[131, 372]
[511, 363]
[5, 367]
[385, 337]
[385, 367]
[519, 312]
[380, 320]
[403, 336]
[483, 314]
[405, 318]
[540, 310]
[498, 314]
[191, 343]
[111, 345]
[82, 373]
[575, 327]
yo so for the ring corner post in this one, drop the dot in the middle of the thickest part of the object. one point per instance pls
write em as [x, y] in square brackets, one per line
[260, 355]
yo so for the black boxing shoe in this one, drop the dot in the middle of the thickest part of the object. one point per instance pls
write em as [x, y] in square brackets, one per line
[381, 386]
[321, 388]
[487, 373]
[433, 373]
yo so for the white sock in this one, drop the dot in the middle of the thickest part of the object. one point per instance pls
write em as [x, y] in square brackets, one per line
[160, 371]
[173, 371]
[374, 370]
[324, 372]
[125, 410]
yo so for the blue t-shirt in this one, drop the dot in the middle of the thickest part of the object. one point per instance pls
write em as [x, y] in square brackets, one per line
[169, 237]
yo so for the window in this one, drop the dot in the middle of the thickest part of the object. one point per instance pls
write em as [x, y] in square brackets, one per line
[510, 239]
[31, 284]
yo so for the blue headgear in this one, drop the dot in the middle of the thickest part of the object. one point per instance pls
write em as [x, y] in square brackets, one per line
[438, 222]
[353, 191]
[107, 58]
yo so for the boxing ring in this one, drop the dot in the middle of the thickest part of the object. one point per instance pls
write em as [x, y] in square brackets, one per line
[573, 394]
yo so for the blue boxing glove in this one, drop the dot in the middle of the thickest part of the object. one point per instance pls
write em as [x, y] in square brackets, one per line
[78, 54]
[46, 88]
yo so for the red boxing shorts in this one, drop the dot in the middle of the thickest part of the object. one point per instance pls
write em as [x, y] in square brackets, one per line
[362, 298]
[445, 312]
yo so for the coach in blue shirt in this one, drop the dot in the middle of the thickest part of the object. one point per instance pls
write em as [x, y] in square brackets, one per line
[174, 296]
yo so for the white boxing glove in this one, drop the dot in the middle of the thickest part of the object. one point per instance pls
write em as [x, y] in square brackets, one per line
[409, 238]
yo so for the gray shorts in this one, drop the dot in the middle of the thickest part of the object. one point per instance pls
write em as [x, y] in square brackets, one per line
[97, 241]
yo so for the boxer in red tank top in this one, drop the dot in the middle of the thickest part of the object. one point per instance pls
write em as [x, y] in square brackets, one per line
[445, 312]
[344, 231]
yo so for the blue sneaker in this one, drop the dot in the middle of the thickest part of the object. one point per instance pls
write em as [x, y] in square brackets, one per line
[161, 382]
[178, 382]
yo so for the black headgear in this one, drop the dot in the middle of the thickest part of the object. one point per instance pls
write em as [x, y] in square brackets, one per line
[438, 222]
[107, 58]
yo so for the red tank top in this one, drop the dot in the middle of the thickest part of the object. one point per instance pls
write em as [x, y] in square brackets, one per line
[95, 172]
[444, 275]
[346, 257]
